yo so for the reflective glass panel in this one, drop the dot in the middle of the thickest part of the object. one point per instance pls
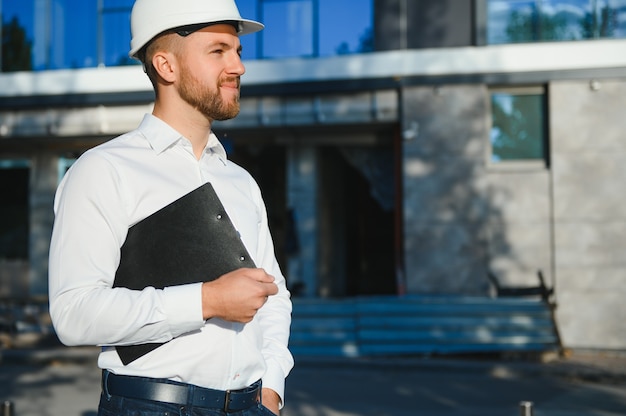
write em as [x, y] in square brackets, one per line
[56, 34]
[60, 33]
[289, 28]
[114, 41]
[511, 21]
[345, 27]
[308, 28]
[18, 23]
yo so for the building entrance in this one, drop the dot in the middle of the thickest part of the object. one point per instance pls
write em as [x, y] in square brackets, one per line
[354, 210]
[356, 197]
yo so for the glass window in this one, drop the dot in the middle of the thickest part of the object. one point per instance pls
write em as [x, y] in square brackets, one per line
[340, 35]
[518, 126]
[58, 33]
[511, 21]
[308, 28]
[249, 10]
[55, 34]
[114, 39]
[14, 210]
[17, 35]
[289, 28]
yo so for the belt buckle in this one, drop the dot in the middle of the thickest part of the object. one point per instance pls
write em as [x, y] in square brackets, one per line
[226, 401]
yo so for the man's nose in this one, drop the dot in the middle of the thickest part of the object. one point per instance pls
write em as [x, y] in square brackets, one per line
[236, 65]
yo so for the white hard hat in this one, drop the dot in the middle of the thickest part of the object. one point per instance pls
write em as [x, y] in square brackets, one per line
[149, 18]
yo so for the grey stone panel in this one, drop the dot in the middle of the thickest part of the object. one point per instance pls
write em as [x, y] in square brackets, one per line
[446, 201]
[589, 167]
[445, 258]
[518, 250]
[449, 121]
[585, 118]
[445, 189]
[589, 185]
[592, 319]
[519, 226]
[589, 245]
[591, 311]
[605, 279]
[522, 196]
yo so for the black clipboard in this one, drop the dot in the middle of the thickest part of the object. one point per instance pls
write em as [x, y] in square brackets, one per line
[190, 240]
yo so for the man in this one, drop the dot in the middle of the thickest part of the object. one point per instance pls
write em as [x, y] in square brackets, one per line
[221, 339]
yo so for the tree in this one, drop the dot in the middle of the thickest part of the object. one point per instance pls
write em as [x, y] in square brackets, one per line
[16, 48]
[366, 42]
[536, 26]
[599, 24]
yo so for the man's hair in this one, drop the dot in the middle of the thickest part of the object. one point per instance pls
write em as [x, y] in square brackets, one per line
[168, 41]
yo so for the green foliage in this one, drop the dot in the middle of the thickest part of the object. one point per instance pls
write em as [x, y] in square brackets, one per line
[536, 26]
[599, 26]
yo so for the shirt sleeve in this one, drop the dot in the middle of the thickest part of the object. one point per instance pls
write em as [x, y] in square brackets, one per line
[91, 223]
[275, 316]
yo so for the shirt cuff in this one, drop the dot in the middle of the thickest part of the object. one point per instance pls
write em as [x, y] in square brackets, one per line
[183, 308]
[275, 379]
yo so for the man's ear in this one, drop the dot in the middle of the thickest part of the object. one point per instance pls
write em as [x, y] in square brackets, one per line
[165, 65]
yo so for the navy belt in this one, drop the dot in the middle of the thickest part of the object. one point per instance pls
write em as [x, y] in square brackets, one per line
[168, 391]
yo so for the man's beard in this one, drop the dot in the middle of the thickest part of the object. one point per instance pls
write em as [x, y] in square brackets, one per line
[207, 101]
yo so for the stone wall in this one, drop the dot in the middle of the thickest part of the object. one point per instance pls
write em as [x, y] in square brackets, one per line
[446, 203]
[464, 217]
[588, 141]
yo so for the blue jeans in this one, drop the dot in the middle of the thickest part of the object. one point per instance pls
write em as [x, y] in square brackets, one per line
[122, 406]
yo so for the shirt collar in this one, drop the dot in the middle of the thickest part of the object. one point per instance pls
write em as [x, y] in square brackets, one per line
[161, 135]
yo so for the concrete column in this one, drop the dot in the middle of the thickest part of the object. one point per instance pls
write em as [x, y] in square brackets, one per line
[302, 192]
[43, 183]
[446, 205]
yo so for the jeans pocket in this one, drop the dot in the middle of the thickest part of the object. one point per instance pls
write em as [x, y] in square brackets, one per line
[264, 411]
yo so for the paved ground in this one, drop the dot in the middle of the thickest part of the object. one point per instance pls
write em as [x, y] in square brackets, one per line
[41, 382]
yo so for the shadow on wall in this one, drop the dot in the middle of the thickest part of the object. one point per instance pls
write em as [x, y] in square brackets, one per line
[448, 212]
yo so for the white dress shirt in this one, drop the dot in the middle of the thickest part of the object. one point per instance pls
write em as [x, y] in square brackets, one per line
[112, 187]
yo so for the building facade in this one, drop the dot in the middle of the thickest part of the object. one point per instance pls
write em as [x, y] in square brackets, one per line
[443, 141]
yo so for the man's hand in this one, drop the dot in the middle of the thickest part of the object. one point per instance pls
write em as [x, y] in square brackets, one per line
[271, 400]
[238, 295]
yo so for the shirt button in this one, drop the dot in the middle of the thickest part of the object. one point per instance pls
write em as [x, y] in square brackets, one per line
[219, 216]
[242, 258]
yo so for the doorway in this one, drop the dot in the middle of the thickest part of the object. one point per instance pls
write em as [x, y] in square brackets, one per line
[357, 214]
